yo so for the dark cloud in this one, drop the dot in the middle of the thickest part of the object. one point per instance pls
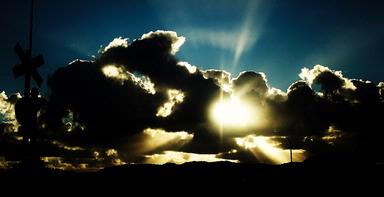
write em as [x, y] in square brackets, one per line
[100, 103]
[111, 109]
[250, 83]
[219, 76]
[111, 102]
[329, 82]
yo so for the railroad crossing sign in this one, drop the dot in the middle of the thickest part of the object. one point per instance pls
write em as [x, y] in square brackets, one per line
[28, 65]
[25, 108]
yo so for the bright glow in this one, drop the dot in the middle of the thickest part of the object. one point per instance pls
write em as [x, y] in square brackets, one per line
[114, 156]
[111, 153]
[7, 113]
[233, 113]
[191, 68]
[267, 150]
[219, 38]
[333, 135]
[120, 74]
[154, 139]
[115, 72]
[182, 157]
[157, 137]
[174, 97]
[96, 155]
[226, 87]
[117, 42]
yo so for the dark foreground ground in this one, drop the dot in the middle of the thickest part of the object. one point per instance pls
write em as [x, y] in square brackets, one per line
[361, 178]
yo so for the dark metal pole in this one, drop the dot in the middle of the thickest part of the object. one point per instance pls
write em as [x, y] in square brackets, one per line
[290, 148]
[31, 27]
[27, 83]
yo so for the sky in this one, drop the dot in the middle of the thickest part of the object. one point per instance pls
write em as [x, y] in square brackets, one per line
[180, 81]
[275, 37]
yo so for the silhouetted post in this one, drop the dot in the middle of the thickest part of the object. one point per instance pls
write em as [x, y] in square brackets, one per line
[26, 107]
[27, 82]
[290, 148]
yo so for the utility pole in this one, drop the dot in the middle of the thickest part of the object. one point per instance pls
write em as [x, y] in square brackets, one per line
[290, 148]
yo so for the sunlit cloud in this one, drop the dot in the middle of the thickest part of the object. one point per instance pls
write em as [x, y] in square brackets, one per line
[177, 41]
[277, 94]
[115, 72]
[114, 155]
[70, 123]
[381, 89]
[155, 138]
[111, 152]
[251, 82]
[119, 73]
[66, 147]
[7, 112]
[221, 77]
[99, 160]
[174, 97]
[117, 42]
[309, 75]
[333, 134]
[59, 163]
[267, 150]
[183, 157]
[191, 68]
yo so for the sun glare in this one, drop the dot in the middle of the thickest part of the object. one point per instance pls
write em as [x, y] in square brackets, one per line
[233, 112]
[267, 150]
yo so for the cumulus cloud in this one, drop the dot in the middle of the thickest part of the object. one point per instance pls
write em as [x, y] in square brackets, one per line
[117, 42]
[138, 103]
[174, 97]
[268, 150]
[7, 112]
[152, 141]
[381, 90]
[191, 68]
[329, 80]
[249, 82]
[221, 77]
[121, 108]
[120, 74]
[175, 41]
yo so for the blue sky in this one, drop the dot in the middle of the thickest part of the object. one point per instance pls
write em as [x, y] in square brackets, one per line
[277, 37]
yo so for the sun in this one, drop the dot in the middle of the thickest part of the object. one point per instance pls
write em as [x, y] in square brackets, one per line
[233, 113]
